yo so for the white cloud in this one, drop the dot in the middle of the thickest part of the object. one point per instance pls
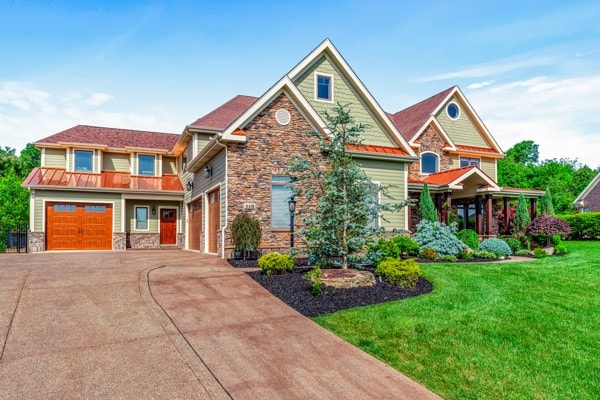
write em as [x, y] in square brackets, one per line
[561, 115]
[479, 85]
[97, 99]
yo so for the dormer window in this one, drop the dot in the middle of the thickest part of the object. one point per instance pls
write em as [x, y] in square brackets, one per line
[146, 165]
[429, 163]
[324, 87]
[84, 160]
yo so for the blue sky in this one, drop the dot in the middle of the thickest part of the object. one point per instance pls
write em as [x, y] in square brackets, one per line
[531, 69]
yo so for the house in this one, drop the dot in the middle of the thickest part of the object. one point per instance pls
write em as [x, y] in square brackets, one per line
[235, 159]
[589, 199]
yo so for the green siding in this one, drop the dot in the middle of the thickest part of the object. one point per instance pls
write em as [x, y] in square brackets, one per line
[153, 220]
[115, 162]
[71, 157]
[92, 197]
[168, 165]
[202, 184]
[343, 93]
[488, 165]
[462, 130]
[201, 142]
[55, 158]
[393, 175]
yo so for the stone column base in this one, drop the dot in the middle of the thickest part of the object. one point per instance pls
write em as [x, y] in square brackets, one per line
[36, 242]
[119, 241]
[143, 240]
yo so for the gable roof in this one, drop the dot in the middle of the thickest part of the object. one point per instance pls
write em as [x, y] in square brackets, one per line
[222, 116]
[112, 137]
[587, 190]
[454, 177]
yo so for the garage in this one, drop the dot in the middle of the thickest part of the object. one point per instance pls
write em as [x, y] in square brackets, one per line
[78, 226]
[195, 230]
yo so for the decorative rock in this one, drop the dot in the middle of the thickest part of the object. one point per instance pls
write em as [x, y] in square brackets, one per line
[347, 278]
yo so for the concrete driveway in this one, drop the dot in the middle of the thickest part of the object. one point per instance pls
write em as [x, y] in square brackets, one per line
[167, 324]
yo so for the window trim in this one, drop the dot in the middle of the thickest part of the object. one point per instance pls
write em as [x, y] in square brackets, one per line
[331, 86]
[153, 164]
[284, 184]
[460, 158]
[457, 108]
[135, 219]
[75, 160]
[437, 162]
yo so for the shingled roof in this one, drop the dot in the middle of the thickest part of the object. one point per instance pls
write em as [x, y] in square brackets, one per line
[411, 119]
[113, 137]
[221, 117]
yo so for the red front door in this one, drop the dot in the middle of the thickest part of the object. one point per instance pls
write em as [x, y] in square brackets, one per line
[168, 226]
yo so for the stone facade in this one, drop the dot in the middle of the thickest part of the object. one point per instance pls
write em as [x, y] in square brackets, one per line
[592, 200]
[429, 141]
[267, 152]
[143, 240]
[36, 242]
[119, 241]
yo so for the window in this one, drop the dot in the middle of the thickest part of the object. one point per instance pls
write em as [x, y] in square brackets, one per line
[146, 165]
[280, 194]
[586, 209]
[95, 209]
[83, 160]
[466, 216]
[467, 162]
[453, 111]
[324, 87]
[141, 218]
[429, 163]
[65, 208]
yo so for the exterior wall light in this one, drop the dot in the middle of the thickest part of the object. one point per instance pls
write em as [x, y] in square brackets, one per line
[207, 171]
[190, 185]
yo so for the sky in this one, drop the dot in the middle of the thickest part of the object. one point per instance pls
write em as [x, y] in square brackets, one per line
[530, 69]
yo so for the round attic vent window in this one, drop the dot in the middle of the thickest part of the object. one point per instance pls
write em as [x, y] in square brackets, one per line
[453, 110]
[282, 116]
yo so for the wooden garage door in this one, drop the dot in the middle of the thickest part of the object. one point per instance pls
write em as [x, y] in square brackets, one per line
[195, 210]
[78, 226]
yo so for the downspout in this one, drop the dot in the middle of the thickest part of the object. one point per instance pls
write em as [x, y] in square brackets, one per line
[218, 143]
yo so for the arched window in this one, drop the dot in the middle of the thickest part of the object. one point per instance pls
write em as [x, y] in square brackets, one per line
[429, 163]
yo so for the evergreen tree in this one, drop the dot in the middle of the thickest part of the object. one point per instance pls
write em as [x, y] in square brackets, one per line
[427, 208]
[345, 197]
[522, 218]
[547, 206]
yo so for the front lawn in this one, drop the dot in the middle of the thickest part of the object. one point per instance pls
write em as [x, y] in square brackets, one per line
[500, 331]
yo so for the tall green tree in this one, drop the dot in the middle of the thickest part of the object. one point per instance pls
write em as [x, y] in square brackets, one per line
[14, 202]
[346, 199]
[547, 205]
[426, 207]
[522, 218]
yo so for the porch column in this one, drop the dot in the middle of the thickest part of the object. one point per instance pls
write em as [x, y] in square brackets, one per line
[446, 213]
[409, 217]
[506, 216]
[533, 207]
[438, 205]
[488, 214]
[478, 204]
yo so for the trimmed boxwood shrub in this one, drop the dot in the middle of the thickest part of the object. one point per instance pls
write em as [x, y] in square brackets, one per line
[275, 263]
[402, 273]
[583, 226]
[438, 236]
[391, 248]
[560, 249]
[485, 254]
[495, 245]
[514, 244]
[468, 237]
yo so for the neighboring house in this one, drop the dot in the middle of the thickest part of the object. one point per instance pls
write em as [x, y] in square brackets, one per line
[236, 159]
[589, 199]
[104, 188]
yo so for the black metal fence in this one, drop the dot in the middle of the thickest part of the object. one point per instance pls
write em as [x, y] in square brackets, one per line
[14, 240]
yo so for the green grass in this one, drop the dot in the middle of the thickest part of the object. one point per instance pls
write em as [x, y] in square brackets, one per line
[495, 331]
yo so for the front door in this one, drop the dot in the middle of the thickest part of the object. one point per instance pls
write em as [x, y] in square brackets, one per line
[168, 226]
[214, 219]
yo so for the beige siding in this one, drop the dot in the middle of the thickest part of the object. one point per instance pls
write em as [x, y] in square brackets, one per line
[55, 158]
[453, 161]
[153, 219]
[201, 142]
[115, 162]
[462, 130]
[168, 165]
[80, 197]
[393, 175]
[488, 165]
[343, 93]
[202, 184]
[70, 159]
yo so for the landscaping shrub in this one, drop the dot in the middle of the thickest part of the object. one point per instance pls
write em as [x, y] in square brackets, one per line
[514, 244]
[485, 254]
[449, 258]
[314, 278]
[245, 232]
[544, 226]
[583, 226]
[468, 237]
[428, 253]
[402, 273]
[391, 248]
[275, 263]
[555, 240]
[406, 245]
[466, 254]
[560, 249]
[523, 252]
[495, 245]
[538, 252]
[438, 236]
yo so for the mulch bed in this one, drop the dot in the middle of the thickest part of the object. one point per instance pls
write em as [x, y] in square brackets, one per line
[295, 291]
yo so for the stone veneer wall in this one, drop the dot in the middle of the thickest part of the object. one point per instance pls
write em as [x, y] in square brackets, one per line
[36, 242]
[119, 241]
[143, 240]
[430, 141]
[592, 200]
[268, 151]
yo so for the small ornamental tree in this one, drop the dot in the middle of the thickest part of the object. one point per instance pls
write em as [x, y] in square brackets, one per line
[544, 227]
[346, 199]
[427, 208]
[547, 206]
[522, 217]
[245, 232]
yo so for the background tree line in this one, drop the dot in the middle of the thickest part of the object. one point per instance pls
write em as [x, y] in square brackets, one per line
[14, 200]
[565, 178]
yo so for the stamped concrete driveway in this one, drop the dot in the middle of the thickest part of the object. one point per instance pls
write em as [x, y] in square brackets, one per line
[167, 324]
